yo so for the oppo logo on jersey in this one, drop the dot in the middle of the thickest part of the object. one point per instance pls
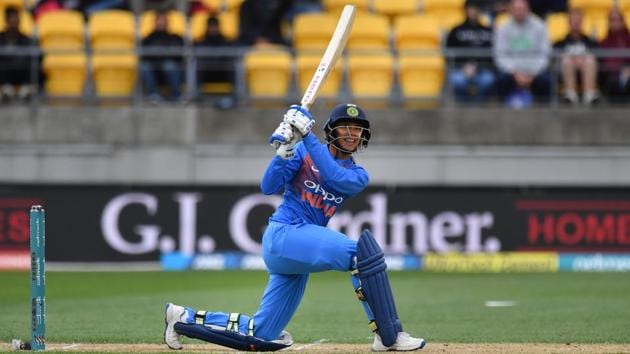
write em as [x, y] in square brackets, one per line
[317, 188]
[316, 196]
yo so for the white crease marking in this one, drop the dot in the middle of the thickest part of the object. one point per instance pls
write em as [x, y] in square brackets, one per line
[319, 341]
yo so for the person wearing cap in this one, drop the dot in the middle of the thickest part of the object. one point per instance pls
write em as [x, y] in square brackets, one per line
[316, 180]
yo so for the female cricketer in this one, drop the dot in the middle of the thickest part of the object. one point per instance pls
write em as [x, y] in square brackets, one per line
[317, 179]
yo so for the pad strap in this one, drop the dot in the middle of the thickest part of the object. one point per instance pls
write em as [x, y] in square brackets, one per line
[359, 292]
[200, 317]
[250, 327]
[232, 322]
[373, 327]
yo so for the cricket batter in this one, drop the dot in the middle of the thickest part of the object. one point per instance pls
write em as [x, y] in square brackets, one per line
[317, 178]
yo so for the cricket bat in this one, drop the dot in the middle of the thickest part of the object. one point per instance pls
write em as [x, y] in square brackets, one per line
[333, 52]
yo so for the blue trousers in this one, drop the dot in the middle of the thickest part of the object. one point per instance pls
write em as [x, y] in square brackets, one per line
[291, 253]
[483, 82]
[169, 70]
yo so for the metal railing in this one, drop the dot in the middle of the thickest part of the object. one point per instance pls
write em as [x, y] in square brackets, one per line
[192, 56]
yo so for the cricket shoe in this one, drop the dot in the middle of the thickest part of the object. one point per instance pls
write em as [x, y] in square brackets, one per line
[285, 338]
[404, 343]
[172, 315]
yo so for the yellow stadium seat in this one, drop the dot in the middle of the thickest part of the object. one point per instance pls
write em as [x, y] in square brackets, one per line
[452, 20]
[176, 23]
[268, 72]
[11, 3]
[592, 8]
[26, 23]
[371, 75]
[624, 5]
[596, 27]
[232, 5]
[443, 6]
[421, 76]
[61, 29]
[114, 75]
[313, 30]
[394, 8]
[450, 12]
[369, 32]
[65, 74]
[557, 26]
[417, 32]
[198, 25]
[112, 29]
[305, 67]
[228, 24]
[335, 6]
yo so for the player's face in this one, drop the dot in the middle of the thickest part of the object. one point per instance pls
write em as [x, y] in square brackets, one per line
[349, 135]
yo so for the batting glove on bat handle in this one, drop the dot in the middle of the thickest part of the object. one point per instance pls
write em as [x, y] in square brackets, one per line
[282, 135]
[300, 118]
[285, 151]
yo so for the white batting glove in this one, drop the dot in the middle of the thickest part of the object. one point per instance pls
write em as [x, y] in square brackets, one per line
[282, 135]
[300, 119]
[285, 151]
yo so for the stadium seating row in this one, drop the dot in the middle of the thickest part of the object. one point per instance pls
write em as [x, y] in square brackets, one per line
[368, 75]
[115, 74]
[117, 29]
[269, 74]
[116, 23]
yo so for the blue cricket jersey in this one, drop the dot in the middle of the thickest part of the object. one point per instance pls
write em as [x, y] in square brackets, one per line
[315, 183]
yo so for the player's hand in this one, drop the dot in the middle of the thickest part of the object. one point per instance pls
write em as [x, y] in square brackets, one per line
[282, 135]
[300, 119]
[285, 151]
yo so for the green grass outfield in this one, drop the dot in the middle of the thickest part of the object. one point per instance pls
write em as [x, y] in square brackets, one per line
[128, 307]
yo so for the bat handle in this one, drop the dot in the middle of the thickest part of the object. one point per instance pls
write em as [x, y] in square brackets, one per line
[305, 106]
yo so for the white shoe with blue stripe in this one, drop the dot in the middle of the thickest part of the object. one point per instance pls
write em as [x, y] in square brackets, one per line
[404, 343]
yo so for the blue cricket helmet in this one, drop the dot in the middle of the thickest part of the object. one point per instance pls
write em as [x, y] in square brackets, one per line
[346, 113]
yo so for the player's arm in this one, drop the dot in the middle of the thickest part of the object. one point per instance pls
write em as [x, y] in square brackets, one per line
[283, 166]
[346, 180]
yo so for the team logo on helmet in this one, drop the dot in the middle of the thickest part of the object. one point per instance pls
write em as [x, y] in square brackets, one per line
[352, 111]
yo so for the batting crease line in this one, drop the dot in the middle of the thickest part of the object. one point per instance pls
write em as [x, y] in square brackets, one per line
[71, 346]
[319, 341]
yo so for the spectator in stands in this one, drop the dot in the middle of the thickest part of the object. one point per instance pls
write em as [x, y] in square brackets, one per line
[471, 76]
[168, 68]
[616, 70]
[521, 52]
[15, 70]
[577, 57]
[215, 69]
[261, 21]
